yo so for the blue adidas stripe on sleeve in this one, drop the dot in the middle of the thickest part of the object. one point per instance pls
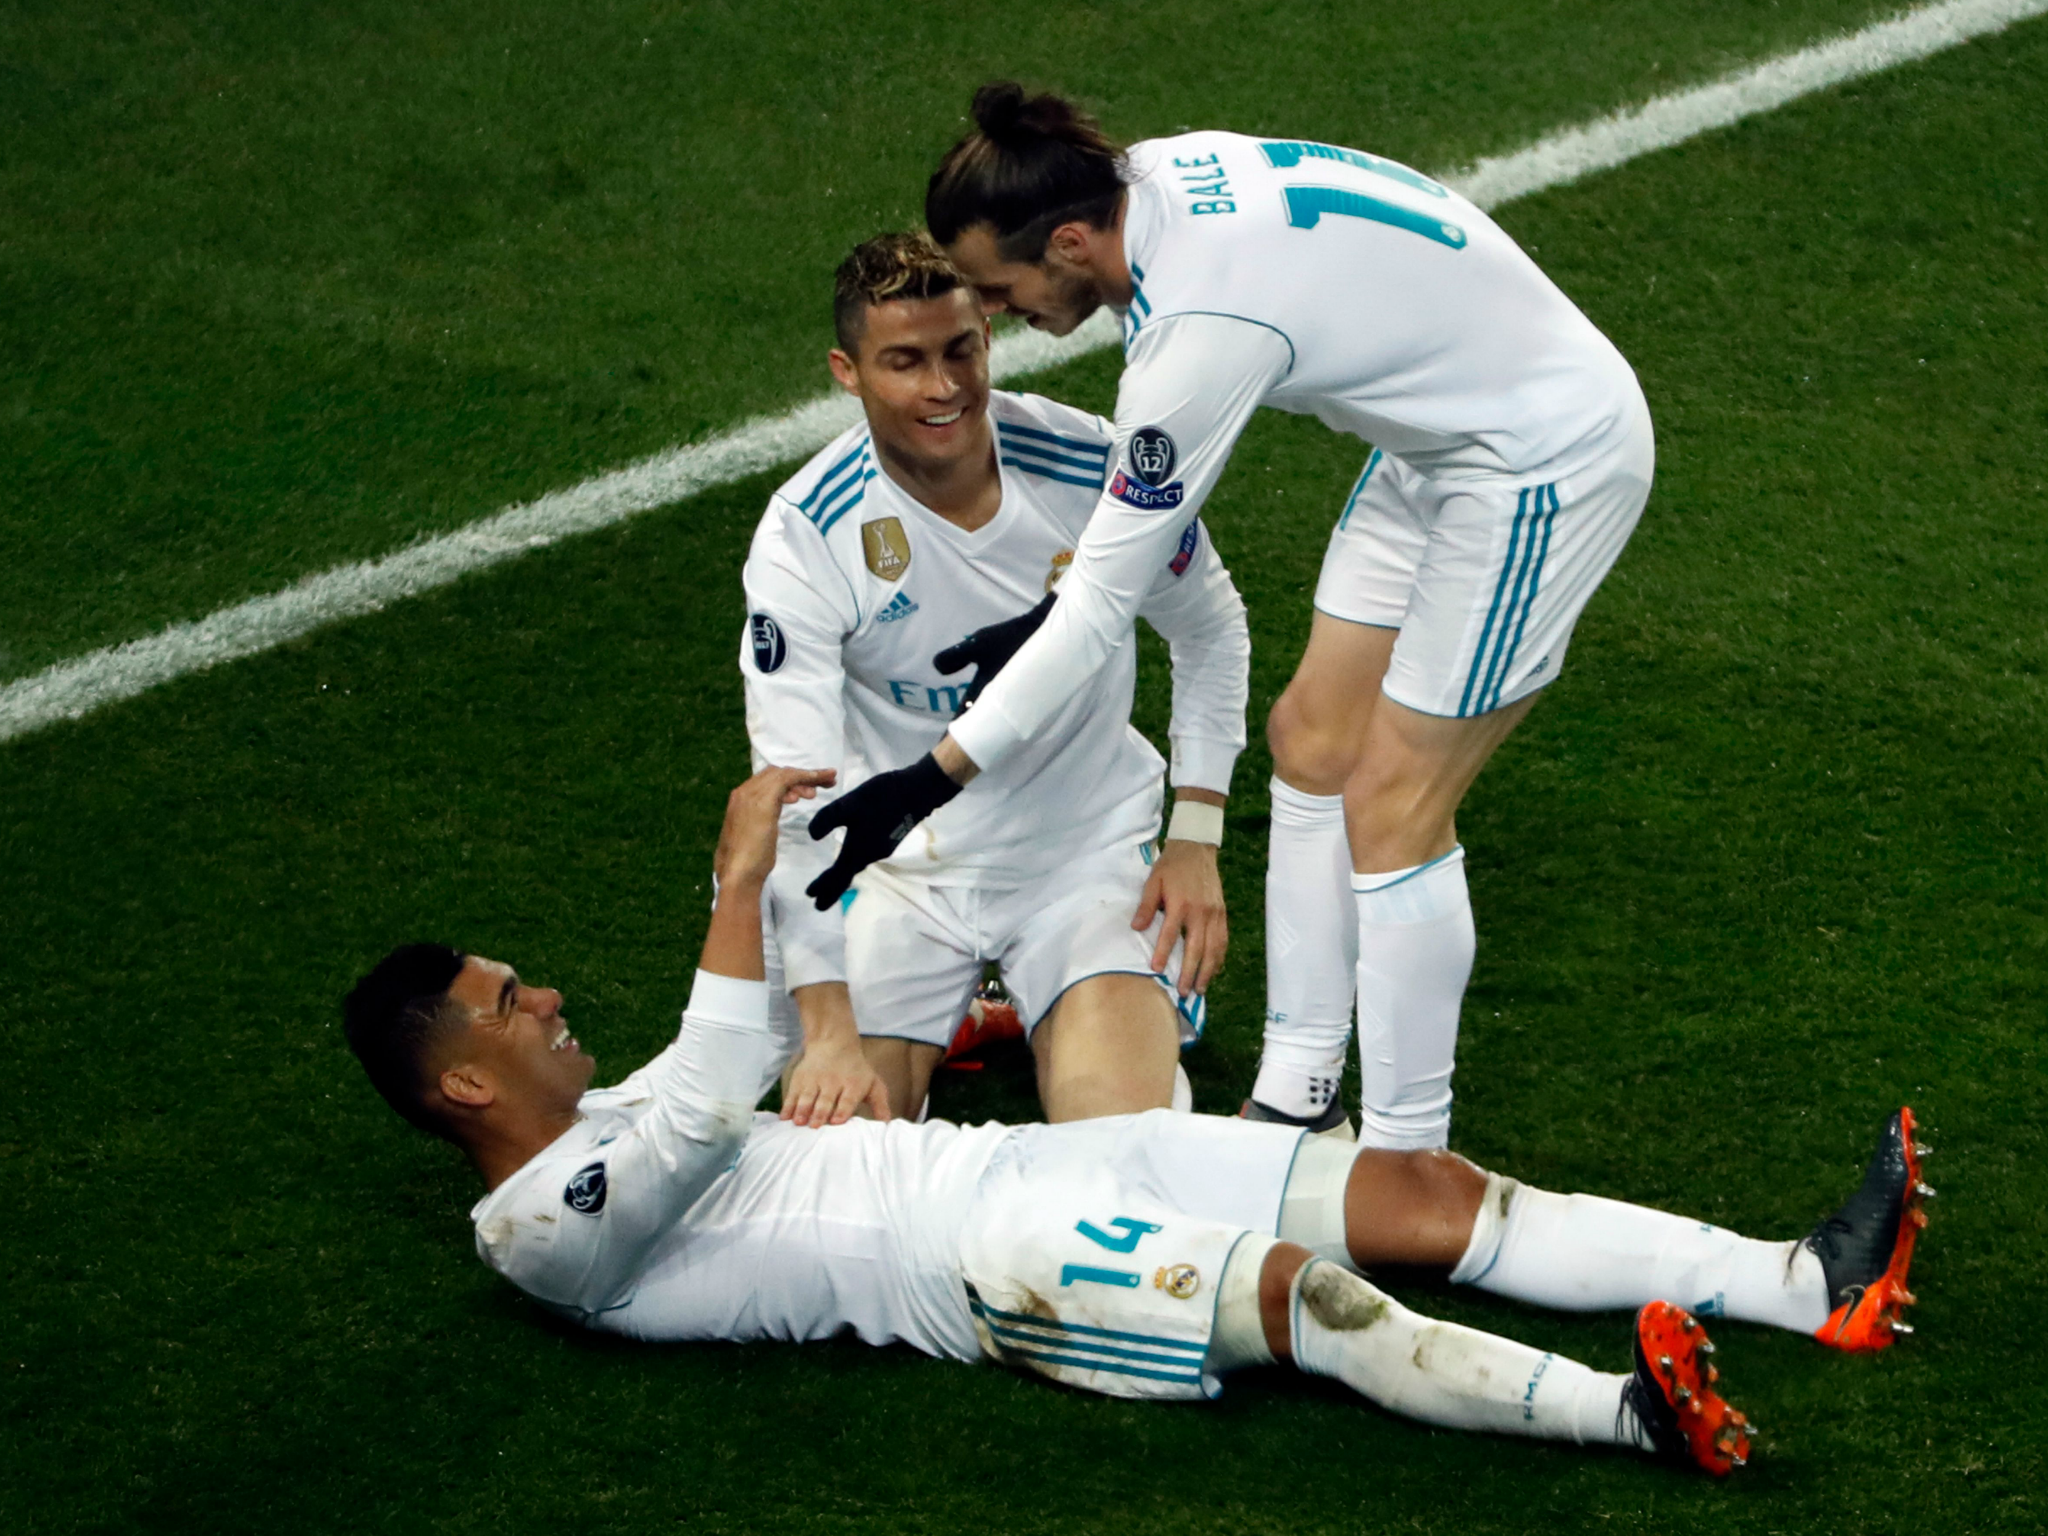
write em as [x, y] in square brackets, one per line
[826, 480]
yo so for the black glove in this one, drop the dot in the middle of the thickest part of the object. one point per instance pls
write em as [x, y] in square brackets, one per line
[991, 647]
[877, 816]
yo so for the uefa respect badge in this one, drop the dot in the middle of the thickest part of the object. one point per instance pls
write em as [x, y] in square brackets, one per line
[1149, 483]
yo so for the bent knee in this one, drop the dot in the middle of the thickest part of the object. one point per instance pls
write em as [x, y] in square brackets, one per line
[1444, 1180]
[1314, 755]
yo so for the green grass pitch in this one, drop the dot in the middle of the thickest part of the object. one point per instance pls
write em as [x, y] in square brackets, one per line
[280, 288]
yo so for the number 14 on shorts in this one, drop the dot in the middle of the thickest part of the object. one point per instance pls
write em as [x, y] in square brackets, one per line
[1129, 1232]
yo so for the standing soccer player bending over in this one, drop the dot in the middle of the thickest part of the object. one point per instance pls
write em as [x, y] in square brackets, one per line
[877, 575]
[1513, 455]
[1140, 1255]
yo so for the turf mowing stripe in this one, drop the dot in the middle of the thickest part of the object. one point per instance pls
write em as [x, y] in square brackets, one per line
[69, 689]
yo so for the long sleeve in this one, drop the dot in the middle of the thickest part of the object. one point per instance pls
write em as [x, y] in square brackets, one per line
[799, 613]
[1195, 381]
[585, 1244]
[1196, 608]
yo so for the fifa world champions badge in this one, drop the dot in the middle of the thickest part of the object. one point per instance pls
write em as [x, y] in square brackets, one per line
[887, 547]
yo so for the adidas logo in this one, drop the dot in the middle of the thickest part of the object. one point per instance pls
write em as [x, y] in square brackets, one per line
[901, 607]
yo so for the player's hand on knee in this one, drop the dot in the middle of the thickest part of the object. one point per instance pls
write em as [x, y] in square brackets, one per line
[1186, 886]
[832, 1083]
[753, 815]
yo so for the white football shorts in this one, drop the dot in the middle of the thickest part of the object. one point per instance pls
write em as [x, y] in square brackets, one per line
[1484, 582]
[1093, 1250]
[915, 951]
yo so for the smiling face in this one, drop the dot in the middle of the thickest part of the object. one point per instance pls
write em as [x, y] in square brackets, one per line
[516, 1049]
[920, 367]
[1054, 294]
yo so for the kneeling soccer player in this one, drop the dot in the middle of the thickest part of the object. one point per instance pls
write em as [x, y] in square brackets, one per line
[927, 538]
[1141, 1255]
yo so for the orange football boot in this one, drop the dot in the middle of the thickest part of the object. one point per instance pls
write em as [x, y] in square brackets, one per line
[1672, 1393]
[989, 1018]
[1866, 1247]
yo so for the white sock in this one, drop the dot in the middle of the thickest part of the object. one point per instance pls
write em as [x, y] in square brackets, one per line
[1445, 1374]
[1311, 953]
[1415, 946]
[1580, 1253]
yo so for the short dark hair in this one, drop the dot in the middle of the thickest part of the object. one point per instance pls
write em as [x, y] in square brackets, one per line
[892, 266]
[395, 1015]
[1031, 165]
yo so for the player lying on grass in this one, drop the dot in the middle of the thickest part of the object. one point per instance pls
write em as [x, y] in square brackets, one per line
[1140, 1255]
[881, 570]
[1513, 455]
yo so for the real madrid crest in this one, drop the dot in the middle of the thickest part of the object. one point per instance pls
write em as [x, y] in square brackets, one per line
[1060, 562]
[887, 547]
[1180, 1281]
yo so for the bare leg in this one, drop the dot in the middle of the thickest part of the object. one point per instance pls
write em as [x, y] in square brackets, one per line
[1317, 728]
[1276, 1290]
[1401, 799]
[1108, 1047]
[905, 1068]
[1412, 1208]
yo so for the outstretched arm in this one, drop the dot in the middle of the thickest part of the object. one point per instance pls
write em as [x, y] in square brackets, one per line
[794, 666]
[1195, 606]
[743, 862]
[701, 1093]
[1190, 384]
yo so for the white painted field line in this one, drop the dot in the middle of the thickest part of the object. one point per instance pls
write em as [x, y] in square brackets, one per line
[73, 688]
[1565, 157]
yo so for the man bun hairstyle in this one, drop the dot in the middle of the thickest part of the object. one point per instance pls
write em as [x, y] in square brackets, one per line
[892, 266]
[396, 1015]
[1032, 164]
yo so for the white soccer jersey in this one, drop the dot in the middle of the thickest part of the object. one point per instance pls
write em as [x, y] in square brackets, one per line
[1327, 282]
[853, 586]
[672, 1211]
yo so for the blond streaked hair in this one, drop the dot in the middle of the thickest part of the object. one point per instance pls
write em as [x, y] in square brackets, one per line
[892, 266]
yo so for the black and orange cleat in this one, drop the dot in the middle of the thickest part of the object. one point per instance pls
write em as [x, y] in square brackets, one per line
[1866, 1247]
[1672, 1393]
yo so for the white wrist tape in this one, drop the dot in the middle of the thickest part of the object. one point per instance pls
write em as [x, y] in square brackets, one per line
[1194, 822]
